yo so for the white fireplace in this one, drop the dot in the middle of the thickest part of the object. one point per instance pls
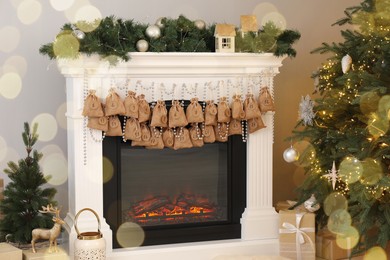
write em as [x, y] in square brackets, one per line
[168, 76]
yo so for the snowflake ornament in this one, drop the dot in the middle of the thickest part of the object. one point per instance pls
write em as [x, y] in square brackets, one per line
[333, 175]
[306, 113]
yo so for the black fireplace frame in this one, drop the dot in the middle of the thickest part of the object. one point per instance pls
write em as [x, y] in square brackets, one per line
[180, 233]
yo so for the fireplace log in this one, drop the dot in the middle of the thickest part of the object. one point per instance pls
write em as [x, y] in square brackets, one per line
[150, 204]
[190, 200]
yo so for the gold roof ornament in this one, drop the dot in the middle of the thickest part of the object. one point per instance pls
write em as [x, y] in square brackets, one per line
[227, 30]
[249, 23]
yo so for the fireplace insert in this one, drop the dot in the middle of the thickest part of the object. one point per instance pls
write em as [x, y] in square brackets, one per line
[176, 196]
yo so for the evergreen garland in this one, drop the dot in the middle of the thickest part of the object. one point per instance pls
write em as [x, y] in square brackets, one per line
[24, 195]
[114, 39]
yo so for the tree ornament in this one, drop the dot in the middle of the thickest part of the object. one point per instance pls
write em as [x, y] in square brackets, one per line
[306, 113]
[142, 46]
[200, 24]
[78, 34]
[312, 204]
[290, 155]
[332, 175]
[159, 22]
[153, 32]
[346, 63]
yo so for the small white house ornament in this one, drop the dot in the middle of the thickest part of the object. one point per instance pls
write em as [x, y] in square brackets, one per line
[224, 38]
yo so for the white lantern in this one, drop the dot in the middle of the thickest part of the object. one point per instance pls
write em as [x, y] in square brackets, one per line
[91, 244]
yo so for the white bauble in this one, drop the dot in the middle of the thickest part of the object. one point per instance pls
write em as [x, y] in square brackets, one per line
[159, 22]
[200, 24]
[78, 34]
[290, 155]
[142, 46]
[153, 31]
[346, 63]
[311, 204]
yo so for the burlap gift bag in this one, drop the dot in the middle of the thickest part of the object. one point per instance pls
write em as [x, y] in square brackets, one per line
[238, 112]
[114, 126]
[159, 115]
[208, 134]
[194, 112]
[146, 135]
[92, 105]
[177, 116]
[196, 136]
[132, 129]
[210, 113]
[143, 109]
[297, 234]
[251, 107]
[266, 101]
[235, 127]
[224, 113]
[168, 138]
[255, 124]
[156, 142]
[183, 141]
[98, 123]
[221, 132]
[114, 104]
[131, 105]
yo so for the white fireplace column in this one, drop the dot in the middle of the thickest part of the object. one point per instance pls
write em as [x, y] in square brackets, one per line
[85, 176]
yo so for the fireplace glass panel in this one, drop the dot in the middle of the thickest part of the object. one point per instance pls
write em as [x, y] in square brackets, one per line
[167, 187]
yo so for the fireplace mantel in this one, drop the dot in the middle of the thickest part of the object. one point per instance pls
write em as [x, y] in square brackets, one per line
[164, 75]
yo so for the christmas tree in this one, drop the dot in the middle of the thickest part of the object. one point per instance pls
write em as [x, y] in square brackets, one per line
[25, 195]
[346, 155]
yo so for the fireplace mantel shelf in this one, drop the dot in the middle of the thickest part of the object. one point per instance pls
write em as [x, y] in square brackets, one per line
[259, 222]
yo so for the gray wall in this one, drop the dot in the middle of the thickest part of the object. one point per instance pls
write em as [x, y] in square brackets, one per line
[40, 93]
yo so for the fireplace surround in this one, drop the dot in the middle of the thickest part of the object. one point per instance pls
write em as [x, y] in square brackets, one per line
[155, 74]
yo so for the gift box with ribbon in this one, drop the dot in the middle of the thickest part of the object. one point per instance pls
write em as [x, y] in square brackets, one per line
[327, 248]
[297, 234]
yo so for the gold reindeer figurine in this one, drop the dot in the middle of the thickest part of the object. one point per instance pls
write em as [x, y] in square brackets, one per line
[48, 234]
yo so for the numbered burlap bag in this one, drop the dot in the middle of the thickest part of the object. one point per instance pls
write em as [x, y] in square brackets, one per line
[114, 126]
[224, 114]
[98, 123]
[183, 141]
[168, 138]
[251, 107]
[143, 109]
[114, 104]
[92, 105]
[159, 115]
[221, 132]
[238, 112]
[255, 124]
[146, 135]
[177, 116]
[156, 142]
[194, 112]
[208, 134]
[131, 105]
[266, 101]
[196, 136]
[133, 129]
[235, 127]
[210, 113]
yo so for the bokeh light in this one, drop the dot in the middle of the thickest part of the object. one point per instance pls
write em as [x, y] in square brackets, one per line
[50, 149]
[335, 201]
[10, 38]
[10, 85]
[306, 153]
[277, 18]
[61, 5]
[47, 126]
[130, 235]
[339, 221]
[29, 11]
[369, 102]
[16, 64]
[88, 18]
[108, 170]
[263, 9]
[61, 117]
[3, 148]
[372, 172]
[350, 170]
[56, 166]
[377, 125]
[66, 45]
[384, 107]
[348, 239]
[375, 253]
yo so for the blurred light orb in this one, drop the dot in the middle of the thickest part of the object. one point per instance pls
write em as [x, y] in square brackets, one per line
[348, 239]
[10, 85]
[263, 9]
[50, 149]
[29, 11]
[306, 152]
[377, 125]
[369, 102]
[3, 148]
[130, 235]
[66, 46]
[47, 126]
[277, 18]
[10, 38]
[56, 166]
[335, 201]
[108, 170]
[339, 221]
[88, 18]
[16, 64]
[350, 170]
[372, 172]
[61, 117]
[61, 5]
[375, 253]
[384, 107]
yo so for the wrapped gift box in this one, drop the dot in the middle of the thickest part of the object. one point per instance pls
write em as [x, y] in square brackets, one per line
[297, 234]
[8, 251]
[327, 248]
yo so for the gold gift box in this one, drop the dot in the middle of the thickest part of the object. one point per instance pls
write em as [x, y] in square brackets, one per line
[293, 223]
[327, 248]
